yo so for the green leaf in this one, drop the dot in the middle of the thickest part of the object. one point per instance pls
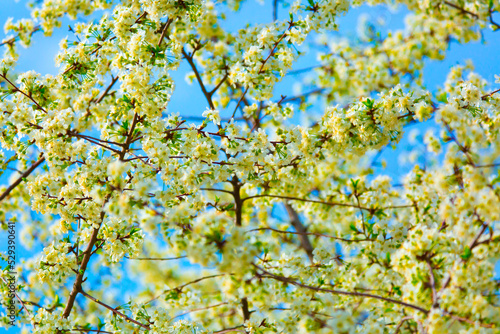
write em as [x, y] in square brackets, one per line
[134, 230]
[354, 183]
[496, 180]
[466, 254]
[369, 103]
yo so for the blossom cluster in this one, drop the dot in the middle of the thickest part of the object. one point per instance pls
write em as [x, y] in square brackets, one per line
[259, 212]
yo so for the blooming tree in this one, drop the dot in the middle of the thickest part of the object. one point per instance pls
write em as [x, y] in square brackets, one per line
[243, 218]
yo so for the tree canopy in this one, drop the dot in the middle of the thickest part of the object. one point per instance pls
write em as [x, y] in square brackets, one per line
[261, 212]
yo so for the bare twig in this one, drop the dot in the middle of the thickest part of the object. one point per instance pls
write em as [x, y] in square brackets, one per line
[338, 292]
[301, 232]
[16, 89]
[164, 30]
[114, 310]
[400, 324]
[20, 179]
[180, 287]
[105, 93]
[329, 203]
[311, 233]
[156, 258]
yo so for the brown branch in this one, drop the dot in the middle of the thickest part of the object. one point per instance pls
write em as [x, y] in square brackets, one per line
[20, 179]
[103, 95]
[140, 17]
[180, 287]
[94, 141]
[74, 134]
[16, 89]
[328, 203]
[23, 304]
[305, 69]
[212, 92]
[90, 330]
[473, 244]
[201, 309]
[469, 321]
[275, 10]
[114, 310]
[77, 286]
[302, 96]
[301, 232]
[219, 190]
[312, 233]
[489, 94]
[463, 10]
[198, 77]
[464, 150]
[238, 202]
[155, 258]
[164, 31]
[262, 67]
[487, 166]
[400, 324]
[432, 282]
[228, 330]
[467, 12]
[127, 143]
[13, 39]
[338, 292]
[244, 309]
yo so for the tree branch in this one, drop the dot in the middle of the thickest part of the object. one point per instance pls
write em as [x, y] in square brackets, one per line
[20, 179]
[16, 89]
[115, 311]
[156, 258]
[180, 287]
[301, 232]
[338, 292]
[198, 77]
[328, 203]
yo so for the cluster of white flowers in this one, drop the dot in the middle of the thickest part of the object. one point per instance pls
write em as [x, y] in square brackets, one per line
[118, 241]
[212, 115]
[243, 220]
[46, 322]
[57, 263]
[371, 124]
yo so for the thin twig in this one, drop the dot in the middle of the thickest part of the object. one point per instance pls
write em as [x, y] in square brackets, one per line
[262, 67]
[114, 310]
[311, 233]
[23, 304]
[164, 30]
[20, 179]
[400, 324]
[329, 203]
[155, 258]
[338, 292]
[432, 282]
[180, 287]
[16, 89]
[198, 77]
[113, 81]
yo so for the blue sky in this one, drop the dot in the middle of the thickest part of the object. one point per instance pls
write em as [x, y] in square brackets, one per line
[40, 57]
